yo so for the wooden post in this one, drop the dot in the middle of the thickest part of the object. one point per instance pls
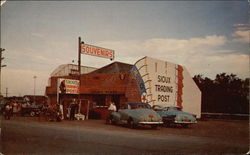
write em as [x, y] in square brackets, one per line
[79, 55]
[87, 115]
[79, 68]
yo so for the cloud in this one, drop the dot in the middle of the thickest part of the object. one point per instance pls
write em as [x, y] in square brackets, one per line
[241, 36]
[2, 2]
[38, 35]
[202, 55]
[242, 26]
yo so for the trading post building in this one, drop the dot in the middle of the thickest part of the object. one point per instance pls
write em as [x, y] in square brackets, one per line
[149, 80]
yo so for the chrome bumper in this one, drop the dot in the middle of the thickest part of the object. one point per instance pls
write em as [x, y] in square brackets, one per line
[181, 122]
[150, 123]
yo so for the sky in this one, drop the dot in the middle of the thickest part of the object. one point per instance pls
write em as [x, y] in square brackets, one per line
[207, 37]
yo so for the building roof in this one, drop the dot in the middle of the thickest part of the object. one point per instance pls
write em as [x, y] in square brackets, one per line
[68, 69]
[116, 67]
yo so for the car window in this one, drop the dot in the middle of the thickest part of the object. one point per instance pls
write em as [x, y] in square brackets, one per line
[133, 106]
[124, 106]
[158, 108]
[174, 109]
[139, 105]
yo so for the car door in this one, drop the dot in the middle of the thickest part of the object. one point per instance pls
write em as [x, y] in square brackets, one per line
[124, 113]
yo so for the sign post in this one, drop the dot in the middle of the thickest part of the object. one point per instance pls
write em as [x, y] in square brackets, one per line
[94, 51]
[79, 67]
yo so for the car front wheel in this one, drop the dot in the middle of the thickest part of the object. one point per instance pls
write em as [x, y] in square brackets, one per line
[32, 113]
[131, 123]
[154, 126]
[112, 120]
[184, 125]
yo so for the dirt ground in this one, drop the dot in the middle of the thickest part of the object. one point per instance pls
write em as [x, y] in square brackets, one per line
[29, 135]
[235, 130]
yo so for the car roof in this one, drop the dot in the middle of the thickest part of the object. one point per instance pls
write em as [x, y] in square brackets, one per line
[135, 103]
[171, 106]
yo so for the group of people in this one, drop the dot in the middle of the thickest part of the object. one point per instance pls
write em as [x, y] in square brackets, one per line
[11, 108]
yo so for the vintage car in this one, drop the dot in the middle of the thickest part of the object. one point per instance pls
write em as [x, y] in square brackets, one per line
[31, 110]
[175, 115]
[136, 113]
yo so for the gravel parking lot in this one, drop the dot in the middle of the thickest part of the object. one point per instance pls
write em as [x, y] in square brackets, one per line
[211, 136]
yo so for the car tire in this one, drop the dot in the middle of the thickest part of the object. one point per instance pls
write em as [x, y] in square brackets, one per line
[154, 126]
[32, 113]
[184, 125]
[131, 123]
[112, 120]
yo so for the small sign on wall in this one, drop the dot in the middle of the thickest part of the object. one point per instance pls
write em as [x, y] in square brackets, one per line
[68, 86]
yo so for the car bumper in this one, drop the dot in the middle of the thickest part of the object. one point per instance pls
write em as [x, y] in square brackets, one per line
[185, 122]
[149, 123]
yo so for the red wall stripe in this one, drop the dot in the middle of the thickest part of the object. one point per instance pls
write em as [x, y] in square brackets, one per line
[180, 86]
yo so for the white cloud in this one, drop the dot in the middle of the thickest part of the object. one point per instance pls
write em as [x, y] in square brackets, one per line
[2, 2]
[242, 36]
[199, 55]
[242, 26]
[39, 35]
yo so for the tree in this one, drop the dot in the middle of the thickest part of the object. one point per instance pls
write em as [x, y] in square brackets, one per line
[224, 94]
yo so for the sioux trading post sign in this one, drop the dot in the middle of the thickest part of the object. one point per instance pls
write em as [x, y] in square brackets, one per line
[68, 86]
[97, 51]
[168, 84]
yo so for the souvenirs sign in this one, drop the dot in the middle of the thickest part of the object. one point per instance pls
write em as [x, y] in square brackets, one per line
[97, 51]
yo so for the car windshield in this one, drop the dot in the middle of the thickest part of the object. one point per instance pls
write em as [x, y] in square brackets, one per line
[173, 109]
[139, 105]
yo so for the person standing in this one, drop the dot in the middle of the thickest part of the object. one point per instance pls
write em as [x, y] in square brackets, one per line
[72, 109]
[111, 108]
[8, 109]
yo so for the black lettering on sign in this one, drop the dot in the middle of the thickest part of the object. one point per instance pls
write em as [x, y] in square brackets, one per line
[163, 79]
[163, 98]
[162, 88]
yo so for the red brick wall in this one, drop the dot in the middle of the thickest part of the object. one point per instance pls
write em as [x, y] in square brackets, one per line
[132, 91]
[121, 84]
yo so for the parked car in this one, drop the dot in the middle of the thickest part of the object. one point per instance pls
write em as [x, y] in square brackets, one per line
[2, 105]
[175, 115]
[134, 114]
[31, 110]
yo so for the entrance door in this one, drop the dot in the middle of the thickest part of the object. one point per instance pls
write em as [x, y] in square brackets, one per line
[116, 100]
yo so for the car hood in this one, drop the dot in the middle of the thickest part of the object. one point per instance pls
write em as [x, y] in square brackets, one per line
[168, 113]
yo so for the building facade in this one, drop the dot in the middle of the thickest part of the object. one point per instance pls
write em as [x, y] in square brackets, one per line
[110, 83]
[148, 80]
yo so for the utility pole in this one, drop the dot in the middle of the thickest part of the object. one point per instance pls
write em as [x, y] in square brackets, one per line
[79, 68]
[79, 56]
[7, 92]
[34, 88]
[1, 58]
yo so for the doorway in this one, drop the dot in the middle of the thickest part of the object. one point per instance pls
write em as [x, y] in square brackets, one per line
[116, 100]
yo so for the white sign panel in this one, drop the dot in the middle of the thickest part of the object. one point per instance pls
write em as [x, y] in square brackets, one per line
[160, 81]
[68, 86]
[169, 84]
[97, 51]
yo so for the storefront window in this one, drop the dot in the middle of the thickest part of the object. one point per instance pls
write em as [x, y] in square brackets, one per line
[99, 100]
